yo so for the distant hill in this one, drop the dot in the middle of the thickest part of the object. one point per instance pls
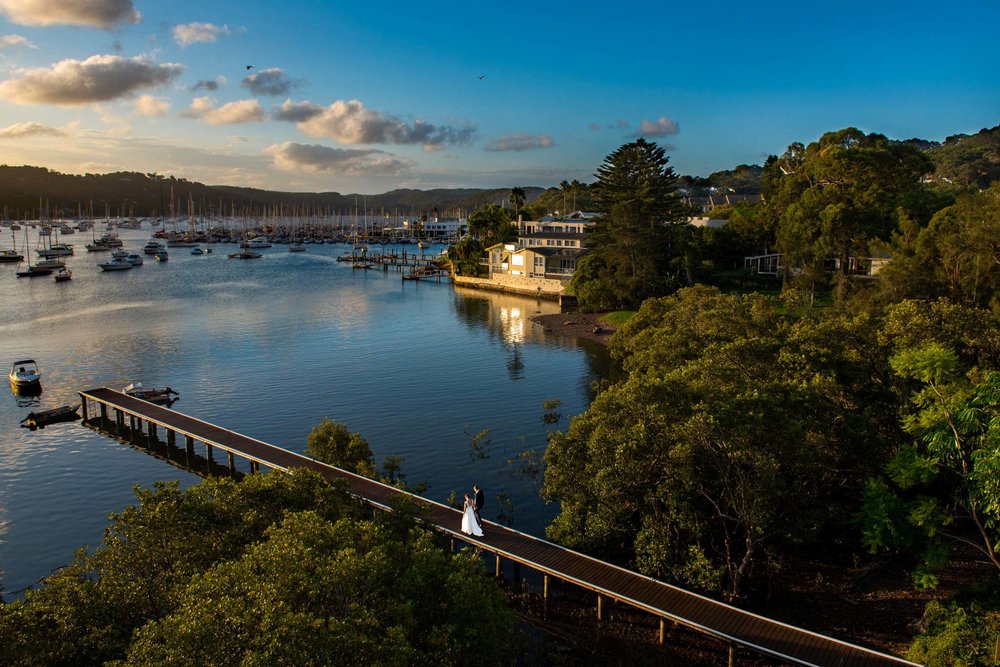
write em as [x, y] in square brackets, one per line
[968, 160]
[124, 193]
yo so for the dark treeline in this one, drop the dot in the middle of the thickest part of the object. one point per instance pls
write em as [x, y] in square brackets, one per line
[139, 194]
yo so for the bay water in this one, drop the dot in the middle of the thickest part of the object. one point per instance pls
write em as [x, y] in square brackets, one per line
[268, 348]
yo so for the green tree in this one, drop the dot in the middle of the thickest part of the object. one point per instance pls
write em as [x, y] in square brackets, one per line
[491, 224]
[943, 489]
[332, 442]
[738, 432]
[639, 245]
[516, 199]
[840, 194]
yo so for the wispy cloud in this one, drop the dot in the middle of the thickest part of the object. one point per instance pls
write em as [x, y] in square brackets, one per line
[520, 141]
[291, 156]
[193, 33]
[96, 79]
[147, 105]
[90, 13]
[268, 82]
[351, 123]
[240, 111]
[296, 112]
[659, 128]
[32, 129]
[15, 41]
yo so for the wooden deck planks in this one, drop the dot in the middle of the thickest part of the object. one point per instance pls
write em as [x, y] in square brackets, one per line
[712, 617]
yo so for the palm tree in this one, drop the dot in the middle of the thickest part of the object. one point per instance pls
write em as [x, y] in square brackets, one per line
[516, 199]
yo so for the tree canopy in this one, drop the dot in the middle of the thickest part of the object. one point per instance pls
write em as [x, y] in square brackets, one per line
[637, 248]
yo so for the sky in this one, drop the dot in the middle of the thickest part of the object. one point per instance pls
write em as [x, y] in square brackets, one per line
[366, 97]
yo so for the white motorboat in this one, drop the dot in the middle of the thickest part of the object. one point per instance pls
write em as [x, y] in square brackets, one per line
[24, 373]
[116, 264]
[51, 263]
[151, 247]
[158, 395]
[257, 242]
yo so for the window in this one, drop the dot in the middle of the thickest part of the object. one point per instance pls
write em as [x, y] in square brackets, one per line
[517, 260]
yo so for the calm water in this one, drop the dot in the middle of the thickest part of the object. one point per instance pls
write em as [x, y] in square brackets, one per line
[268, 347]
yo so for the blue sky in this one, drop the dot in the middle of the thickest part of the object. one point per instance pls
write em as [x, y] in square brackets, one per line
[367, 97]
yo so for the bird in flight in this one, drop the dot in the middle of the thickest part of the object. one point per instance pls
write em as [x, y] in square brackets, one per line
[481, 77]
[249, 66]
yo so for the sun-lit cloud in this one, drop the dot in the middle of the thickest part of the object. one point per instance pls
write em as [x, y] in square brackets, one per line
[96, 79]
[659, 128]
[32, 129]
[351, 123]
[272, 82]
[520, 141]
[240, 111]
[296, 112]
[147, 105]
[15, 41]
[193, 33]
[90, 13]
[291, 156]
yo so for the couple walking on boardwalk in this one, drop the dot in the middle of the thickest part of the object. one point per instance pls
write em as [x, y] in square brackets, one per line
[471, 524]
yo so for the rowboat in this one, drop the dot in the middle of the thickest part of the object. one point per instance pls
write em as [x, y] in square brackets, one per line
[158, 395]
[41, 419]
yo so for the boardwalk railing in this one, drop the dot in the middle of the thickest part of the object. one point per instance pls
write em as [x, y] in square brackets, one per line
[110, 410]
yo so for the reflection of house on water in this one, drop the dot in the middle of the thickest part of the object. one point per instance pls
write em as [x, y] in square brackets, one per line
[506, 316]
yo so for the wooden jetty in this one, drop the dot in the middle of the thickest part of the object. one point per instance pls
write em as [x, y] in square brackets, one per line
[136, 419]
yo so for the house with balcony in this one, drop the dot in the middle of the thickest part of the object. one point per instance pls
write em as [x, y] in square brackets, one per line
[545, 249]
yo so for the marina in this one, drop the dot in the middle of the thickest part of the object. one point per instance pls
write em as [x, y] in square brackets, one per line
[271, 347]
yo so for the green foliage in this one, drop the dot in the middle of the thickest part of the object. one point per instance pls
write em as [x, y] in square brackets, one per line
[465, 256]
[738, 430]
[945, 488]
[955, 256]
[970, 162]
[275, 569]
[837, 196]
[618, 317]
[960, 632]
[639, 245]
[492, 224]
[331, 442]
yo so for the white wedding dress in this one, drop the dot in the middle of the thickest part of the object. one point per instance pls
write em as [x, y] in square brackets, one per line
[470, 525]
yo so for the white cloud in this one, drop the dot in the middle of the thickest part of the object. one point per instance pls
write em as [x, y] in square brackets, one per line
[192, 33]
[268, 82]
[351, 123]
[240, 111]
[90, 13]
[32, 129]
[520, 141]
[663, 126]
[96, 79]
[291, 156]
[147, 105]
[14, 41]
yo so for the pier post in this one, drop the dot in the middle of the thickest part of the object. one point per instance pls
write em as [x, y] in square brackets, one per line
[254, 467]
[600, 607]
[663, 632]
[499, 568]
[151, 433]
[120, 422]
[189, 445]
[84, 404]
[732, 655]
[208, 456]
[232, 463]
[545, 589]
[171, 437]
[104, 415]
[131, 428]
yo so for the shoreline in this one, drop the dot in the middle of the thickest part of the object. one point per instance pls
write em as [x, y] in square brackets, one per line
[588, 326]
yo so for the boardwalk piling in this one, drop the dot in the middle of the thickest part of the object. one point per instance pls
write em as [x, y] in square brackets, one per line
[232, 463]
[663, 632]
[732, 655]
[600, 607]
[545, 589]
[499, 569]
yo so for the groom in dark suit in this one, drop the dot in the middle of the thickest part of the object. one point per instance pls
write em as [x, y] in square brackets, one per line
[478, 502]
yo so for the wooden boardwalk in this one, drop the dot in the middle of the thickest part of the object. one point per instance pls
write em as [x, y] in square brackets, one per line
[668, 603]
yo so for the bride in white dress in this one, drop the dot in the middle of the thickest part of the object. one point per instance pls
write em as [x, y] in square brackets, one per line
[470, 524]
